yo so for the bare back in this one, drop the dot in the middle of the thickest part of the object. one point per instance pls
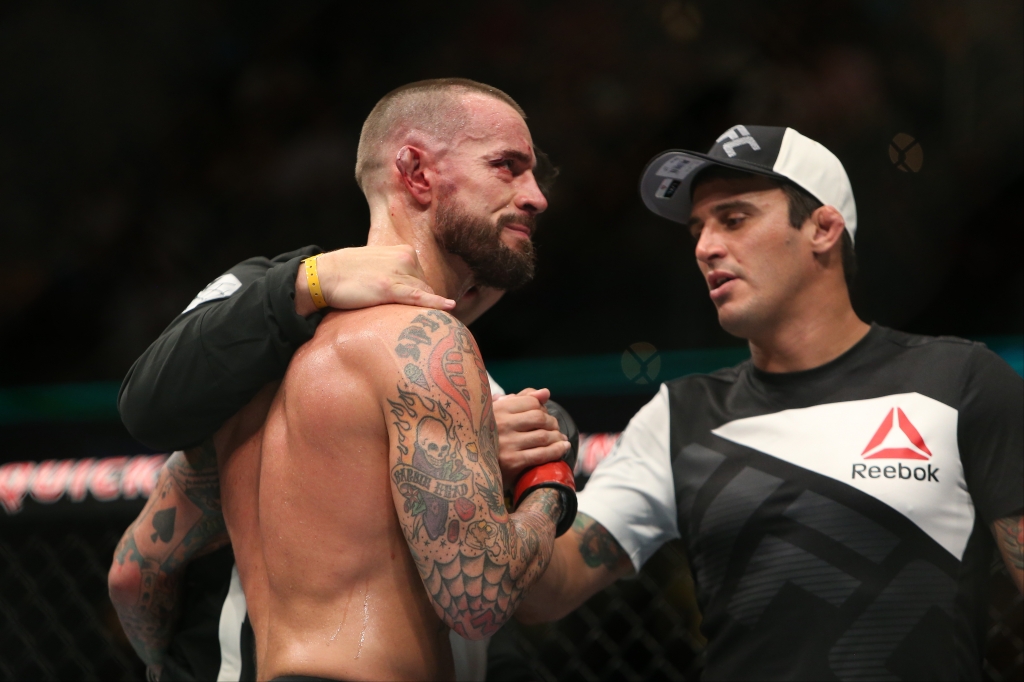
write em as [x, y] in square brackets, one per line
[364, 501]
[331, 586]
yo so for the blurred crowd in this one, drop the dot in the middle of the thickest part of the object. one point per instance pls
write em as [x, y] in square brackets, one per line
[146, 147]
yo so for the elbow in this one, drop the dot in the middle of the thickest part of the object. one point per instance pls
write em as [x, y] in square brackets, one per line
[139, 417]
[134, 416]
[124, 583]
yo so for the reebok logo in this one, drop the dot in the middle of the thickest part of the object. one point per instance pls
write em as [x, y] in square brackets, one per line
[899, 448]
[899, 471]
[896, 438]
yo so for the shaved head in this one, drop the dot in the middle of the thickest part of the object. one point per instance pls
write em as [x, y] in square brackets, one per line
[432, 108]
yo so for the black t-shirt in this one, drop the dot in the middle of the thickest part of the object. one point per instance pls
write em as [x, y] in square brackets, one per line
[837, 519]
[237, 335]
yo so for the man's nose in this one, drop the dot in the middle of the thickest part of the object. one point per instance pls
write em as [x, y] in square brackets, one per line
[529, 198]
[709, 245]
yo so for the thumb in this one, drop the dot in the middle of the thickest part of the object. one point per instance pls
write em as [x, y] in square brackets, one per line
[410, 295]
[541, 394]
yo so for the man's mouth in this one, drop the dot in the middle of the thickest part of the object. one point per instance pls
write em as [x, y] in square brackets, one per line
[719, 278]
[520, 228]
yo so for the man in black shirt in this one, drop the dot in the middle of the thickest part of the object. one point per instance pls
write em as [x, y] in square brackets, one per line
[838, 493]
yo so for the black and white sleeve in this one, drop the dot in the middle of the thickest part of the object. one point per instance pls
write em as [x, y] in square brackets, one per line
[990, 431]
[237, 335]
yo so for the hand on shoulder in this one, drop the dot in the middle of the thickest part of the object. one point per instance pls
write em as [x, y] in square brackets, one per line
[365, 276]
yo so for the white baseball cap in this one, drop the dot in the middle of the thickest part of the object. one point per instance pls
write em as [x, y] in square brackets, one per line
[781, 153]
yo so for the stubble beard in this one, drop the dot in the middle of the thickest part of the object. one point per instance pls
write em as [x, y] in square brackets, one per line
[478, 242]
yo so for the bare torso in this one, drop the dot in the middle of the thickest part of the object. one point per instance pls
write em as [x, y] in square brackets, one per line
[331, 585]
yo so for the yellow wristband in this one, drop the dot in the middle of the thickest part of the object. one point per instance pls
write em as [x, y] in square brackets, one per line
[313, 281]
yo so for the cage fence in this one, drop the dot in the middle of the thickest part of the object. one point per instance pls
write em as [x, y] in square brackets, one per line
[56, 622]
[648, 629]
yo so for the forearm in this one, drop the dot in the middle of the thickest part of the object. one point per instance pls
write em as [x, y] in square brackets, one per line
[585, 560]
[146, 599]
[534, 523]
[548, 599]
[495, 564]
[1009, 535]
[181, 520]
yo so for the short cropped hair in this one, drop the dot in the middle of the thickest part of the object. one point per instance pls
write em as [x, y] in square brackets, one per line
[801, 205]
[430, 106]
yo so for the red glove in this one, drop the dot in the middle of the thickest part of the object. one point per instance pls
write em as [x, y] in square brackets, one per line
[557, 474]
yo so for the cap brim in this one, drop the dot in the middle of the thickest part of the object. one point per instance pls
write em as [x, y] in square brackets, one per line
[665, 184]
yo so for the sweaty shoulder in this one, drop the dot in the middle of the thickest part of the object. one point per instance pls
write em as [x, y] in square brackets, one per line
[385, 331]
[377, 330]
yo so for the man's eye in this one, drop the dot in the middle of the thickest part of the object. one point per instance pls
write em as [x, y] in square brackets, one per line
[734, 220]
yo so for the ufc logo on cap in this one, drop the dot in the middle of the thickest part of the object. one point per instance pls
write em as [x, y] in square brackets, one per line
[737, 135]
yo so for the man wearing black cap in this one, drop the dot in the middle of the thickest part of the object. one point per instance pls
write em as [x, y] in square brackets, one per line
[838, 493]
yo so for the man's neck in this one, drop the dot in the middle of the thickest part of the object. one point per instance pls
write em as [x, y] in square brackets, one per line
[391, 225]
[818, 333]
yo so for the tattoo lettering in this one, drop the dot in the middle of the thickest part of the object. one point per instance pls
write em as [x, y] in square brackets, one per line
[434, 474]
[407, 351]
[597, 546]
[443, 318]
[426, 323]
[414, 334]
[417, 335]
[475, 558]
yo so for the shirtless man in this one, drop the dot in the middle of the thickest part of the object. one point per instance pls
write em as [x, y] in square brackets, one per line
[389, 409]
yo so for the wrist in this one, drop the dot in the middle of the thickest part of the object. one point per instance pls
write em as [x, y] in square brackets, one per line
[309, 293]
[556, 476]
[304, 306]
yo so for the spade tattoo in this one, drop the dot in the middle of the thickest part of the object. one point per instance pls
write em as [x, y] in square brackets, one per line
[163, 524]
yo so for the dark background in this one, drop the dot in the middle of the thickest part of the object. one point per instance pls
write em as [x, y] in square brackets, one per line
[146, 147]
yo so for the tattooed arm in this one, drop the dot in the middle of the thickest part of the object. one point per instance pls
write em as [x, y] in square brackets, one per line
[1009, 533]
[476, 560]
[586, 560]
[181, 520]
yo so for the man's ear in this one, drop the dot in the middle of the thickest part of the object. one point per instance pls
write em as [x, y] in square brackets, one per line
[828, 226]
[411, 165]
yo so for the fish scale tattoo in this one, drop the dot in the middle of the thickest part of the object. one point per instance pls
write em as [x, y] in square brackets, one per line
[475, 558]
